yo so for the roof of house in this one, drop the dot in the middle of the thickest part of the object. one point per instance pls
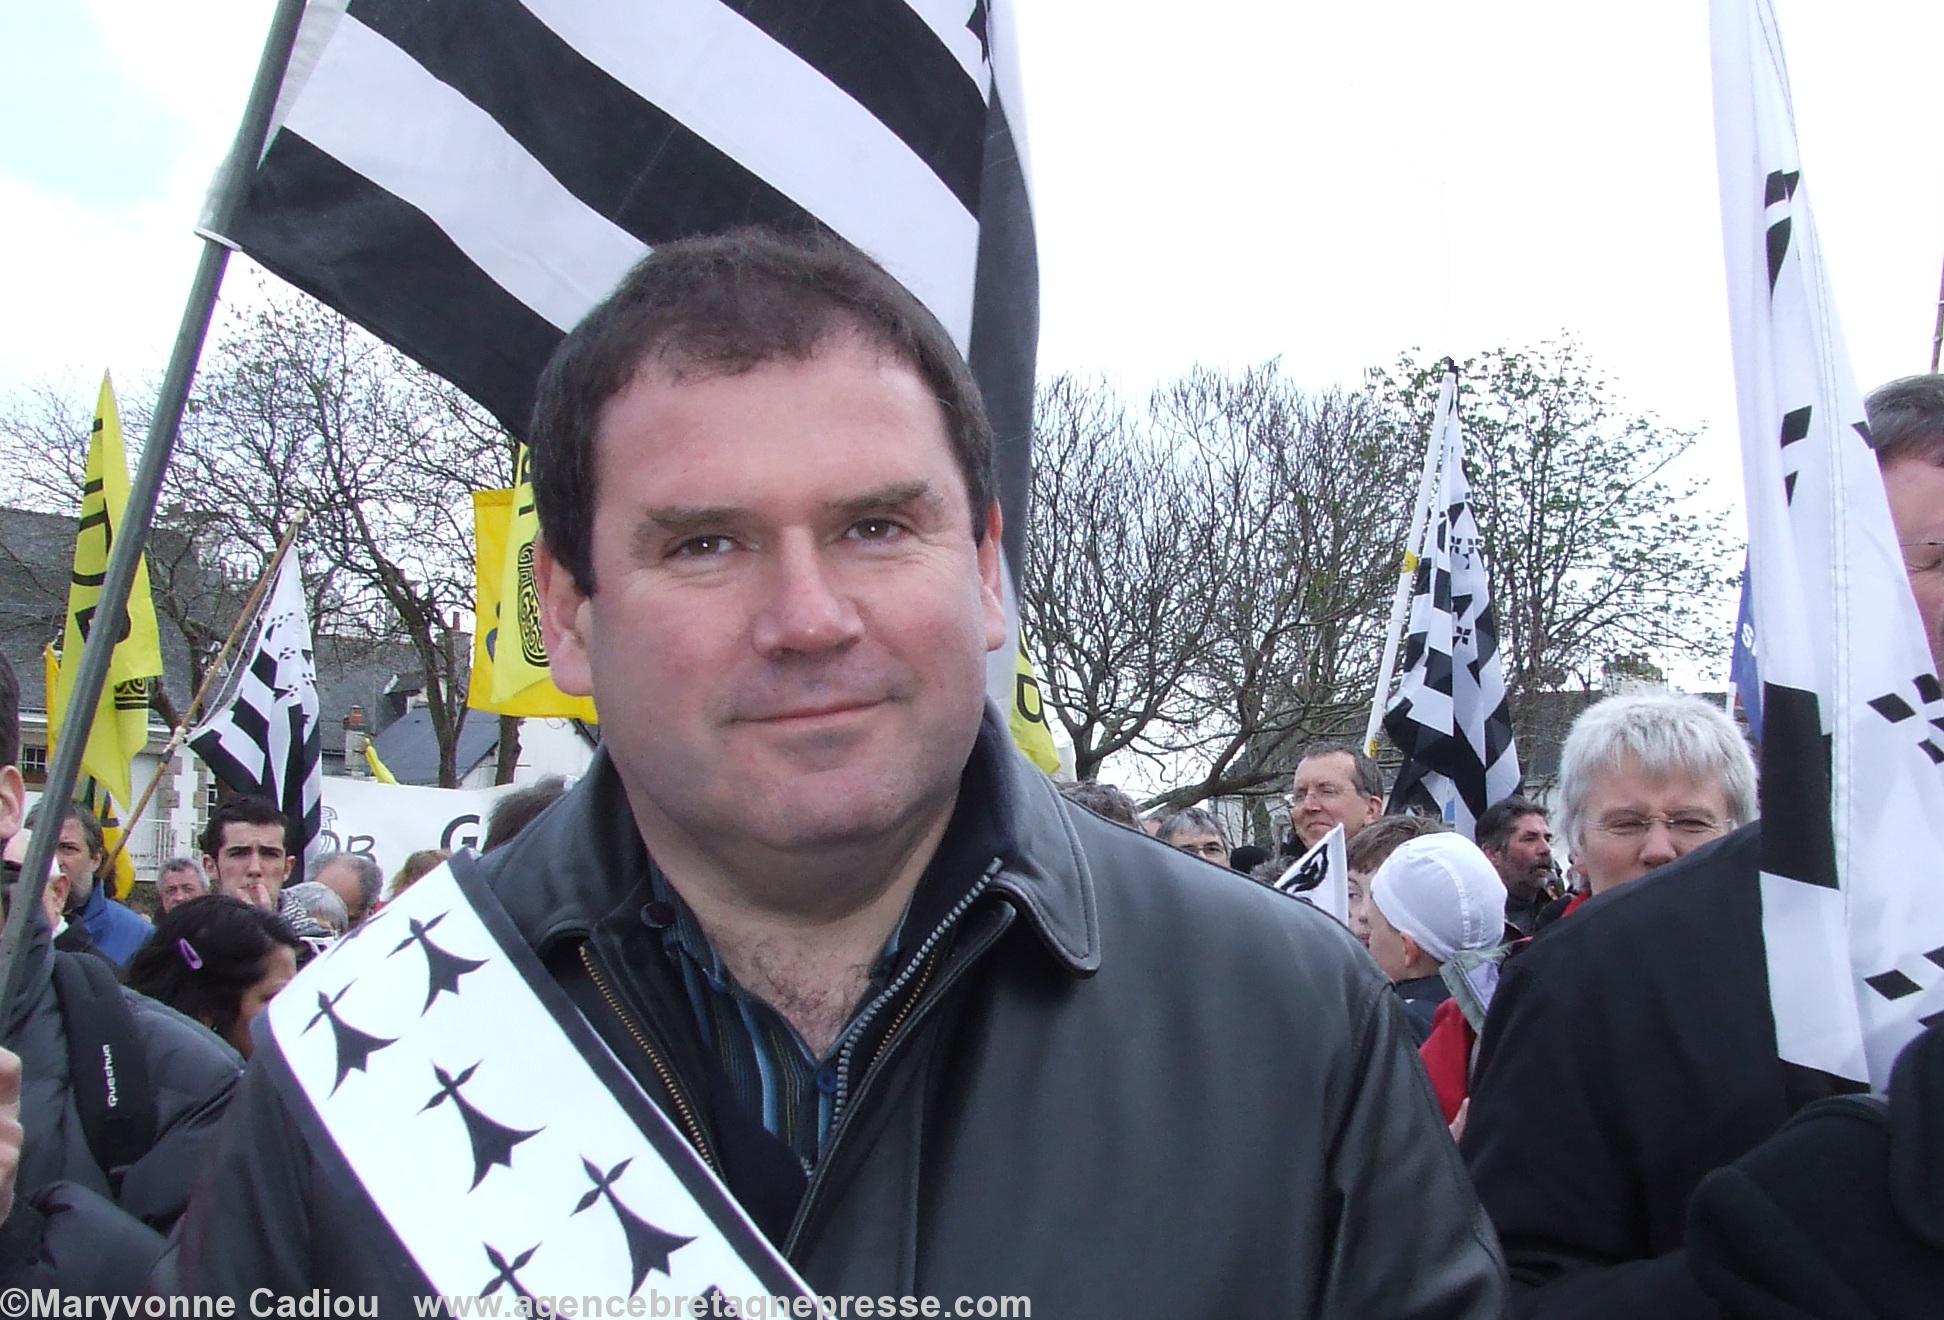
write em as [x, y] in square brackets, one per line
[410, 750]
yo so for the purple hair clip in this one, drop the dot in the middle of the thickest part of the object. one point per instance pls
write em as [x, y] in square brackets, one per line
[189, 955]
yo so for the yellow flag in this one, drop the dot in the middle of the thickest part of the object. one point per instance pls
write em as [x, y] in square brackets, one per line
[505, 680]
[120, 727]
[1029, 727]
[379, 770]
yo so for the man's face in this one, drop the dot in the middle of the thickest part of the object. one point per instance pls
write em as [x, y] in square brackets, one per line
[1525, 862]
[1636, 821]
[1205, 844]
[341, 878]
[790, 622]
[76, 860]
[1326, 794]
[1916, 492]
[1389, 947]
[251, 864]
[177, 887]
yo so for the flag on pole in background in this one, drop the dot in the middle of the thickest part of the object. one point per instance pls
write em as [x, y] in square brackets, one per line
[119, 729]
[1852, 754]
[262, 735]
[466, 178]
[509, 662]
[1450, 716]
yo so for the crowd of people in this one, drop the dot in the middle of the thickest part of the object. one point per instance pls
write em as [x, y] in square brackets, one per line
[937, 1026]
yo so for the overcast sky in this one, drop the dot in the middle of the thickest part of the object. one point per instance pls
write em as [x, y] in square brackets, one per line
[1220, 181]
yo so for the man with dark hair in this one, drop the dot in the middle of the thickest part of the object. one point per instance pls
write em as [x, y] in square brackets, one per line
[1334, 784]
[1515, 838]
[84, 1199]
[517, 810]
[927, 1021]
[246, 850]
[112, 929]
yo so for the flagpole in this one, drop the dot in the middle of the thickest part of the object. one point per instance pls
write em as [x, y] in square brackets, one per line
[243, 620]
[132, 536]
[1937, 339]
[1413, 551]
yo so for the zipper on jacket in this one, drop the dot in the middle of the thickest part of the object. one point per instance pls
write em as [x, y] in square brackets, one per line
[916, 973]
[685, 1110]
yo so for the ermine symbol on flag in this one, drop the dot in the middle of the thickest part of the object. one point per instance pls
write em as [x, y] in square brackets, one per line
[648, 1247]
[492, 1141]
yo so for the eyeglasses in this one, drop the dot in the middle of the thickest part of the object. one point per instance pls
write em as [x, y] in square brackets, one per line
[1323, 792]
[1923, 556]
[1684, 826]
[1211, 849]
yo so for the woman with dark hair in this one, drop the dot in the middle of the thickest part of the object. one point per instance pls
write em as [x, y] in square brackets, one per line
[218, 960]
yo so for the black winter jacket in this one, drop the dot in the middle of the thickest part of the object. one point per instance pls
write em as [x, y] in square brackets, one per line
[1629, 1052]
[1136, 1084]
[72, 1221]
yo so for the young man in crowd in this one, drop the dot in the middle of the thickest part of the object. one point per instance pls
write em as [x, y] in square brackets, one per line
[1434, 898]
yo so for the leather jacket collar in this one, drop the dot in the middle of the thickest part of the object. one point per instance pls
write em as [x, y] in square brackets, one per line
[583, 858]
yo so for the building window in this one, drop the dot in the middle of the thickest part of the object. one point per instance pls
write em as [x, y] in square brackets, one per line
[33, 765]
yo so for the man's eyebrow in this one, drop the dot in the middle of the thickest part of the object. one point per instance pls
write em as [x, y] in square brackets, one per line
[885, 499]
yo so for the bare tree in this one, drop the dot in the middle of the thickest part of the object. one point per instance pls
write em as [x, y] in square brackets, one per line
[298, 414]
[1106, 600]
[1302, 493]
[299, 411]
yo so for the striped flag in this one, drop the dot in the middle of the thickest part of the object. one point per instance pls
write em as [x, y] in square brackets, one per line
[262, 734]
[1852, 754]
[466, 178]
[1450, 715]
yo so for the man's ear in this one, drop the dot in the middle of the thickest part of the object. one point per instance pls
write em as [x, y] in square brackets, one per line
[992, 580]
[563, 623]
[1412, 949]
[13, 800]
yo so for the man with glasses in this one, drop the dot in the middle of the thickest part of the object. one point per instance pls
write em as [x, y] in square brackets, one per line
[1335, 784]
[1631, 1050]
[1197, 833]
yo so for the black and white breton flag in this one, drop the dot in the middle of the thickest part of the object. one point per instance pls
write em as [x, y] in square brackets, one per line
[1450, 715]
[466, 178]
[262, 736]
[1852, 754]
[407, 1057]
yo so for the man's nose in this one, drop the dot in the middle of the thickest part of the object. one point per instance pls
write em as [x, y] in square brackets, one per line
[1658, 847]
[805, 609]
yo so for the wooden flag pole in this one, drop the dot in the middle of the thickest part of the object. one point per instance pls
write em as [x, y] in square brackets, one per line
[132, 537]
[244, 618]
[1937, 339]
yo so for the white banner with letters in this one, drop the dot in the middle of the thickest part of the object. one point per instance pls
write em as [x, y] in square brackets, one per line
[390, 822]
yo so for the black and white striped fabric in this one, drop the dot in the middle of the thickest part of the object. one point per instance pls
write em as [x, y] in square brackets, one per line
[1852, 753]
[1450, 715]
[466, 178]
[262, 735]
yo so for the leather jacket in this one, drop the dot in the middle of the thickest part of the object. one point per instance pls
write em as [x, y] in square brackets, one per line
[1132, 1083]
